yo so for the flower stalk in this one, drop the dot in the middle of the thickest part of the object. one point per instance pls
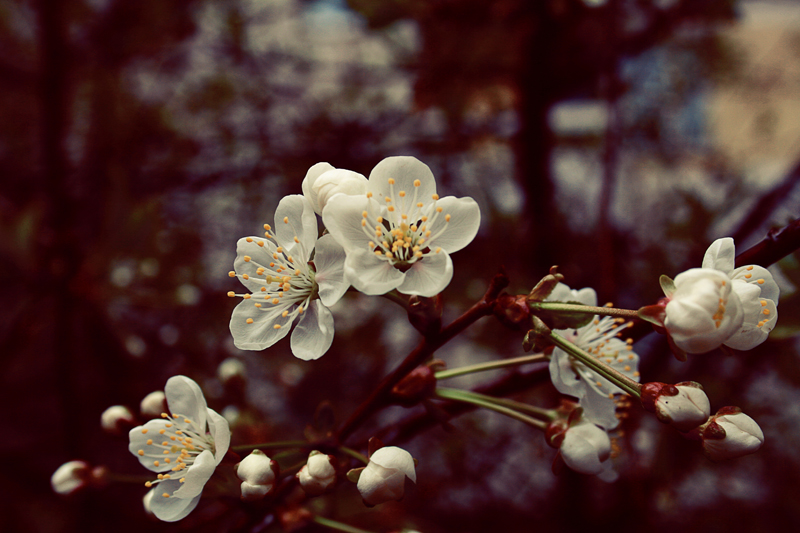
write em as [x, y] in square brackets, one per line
[491, 365]
[567, 308]
[489, 403]
[338, 526]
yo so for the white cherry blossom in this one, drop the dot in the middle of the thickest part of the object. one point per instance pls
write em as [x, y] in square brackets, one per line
[596, 394]
[183, 446]
[400, 233]
[756, 289]
[384, 477]
[323, 181]
[292, 274]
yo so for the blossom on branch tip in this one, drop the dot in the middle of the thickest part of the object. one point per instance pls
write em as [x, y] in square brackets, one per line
[384, 477]
[596, 395]
[318, 475]
[730, 434]
[292, 275]
[258, 473]
[586, 448]
[70, 477]
[323, 182]
[756, 289]
[400, 234]
[184, 447]
[684, 405]
[703, 311]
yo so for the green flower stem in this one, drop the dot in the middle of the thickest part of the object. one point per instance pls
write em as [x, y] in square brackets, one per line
[492, 365]
[271, 445]
[356, 455]
[482, 401]
[397, 298]
[617, 378]
[338, 526]
[582, 309]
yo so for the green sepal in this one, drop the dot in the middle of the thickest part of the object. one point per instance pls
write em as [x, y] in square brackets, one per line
[654, 314]
[354, 474]
[667, 285]
[564, 319]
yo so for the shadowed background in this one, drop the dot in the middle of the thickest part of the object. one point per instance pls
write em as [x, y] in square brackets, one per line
[617, 139]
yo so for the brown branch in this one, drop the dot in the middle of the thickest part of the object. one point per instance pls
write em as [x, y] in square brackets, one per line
[380, 396]
[776, 245]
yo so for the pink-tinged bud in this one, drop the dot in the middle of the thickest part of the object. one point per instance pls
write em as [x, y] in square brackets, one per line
[258, 473]
[319, 474]
[729, 434]
[383, 479]
[418, 385]
[513, 311]
[684, 406]
[153, 405]
[703, 312]
[71, 477]
[117, 420]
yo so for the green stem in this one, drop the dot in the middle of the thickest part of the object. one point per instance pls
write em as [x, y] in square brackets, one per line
[492, 365]
[271, 445]
[353, 453]
[397, 298]
[617, 378]
[338, 526]
[583, 309]
[482, 401]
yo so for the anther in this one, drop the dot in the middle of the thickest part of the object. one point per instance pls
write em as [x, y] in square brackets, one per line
[141, 453]
[231, 294]
[246, 296]
[447, 218]
[231, 274]
[296, 240]
[247, 258]
[144, 430]
[249, 239]
[249, 320]
[245, 276]
[149, 442]
[435, 196]
[402, 194]
[417, 183]
[285, 220]
[760, 281]
[277, 326]
[391, 181]
[260, 243]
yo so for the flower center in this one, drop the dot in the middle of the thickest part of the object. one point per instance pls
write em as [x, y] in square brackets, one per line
[175, 446]
[285, 281]
[600, 338]
[403, 236]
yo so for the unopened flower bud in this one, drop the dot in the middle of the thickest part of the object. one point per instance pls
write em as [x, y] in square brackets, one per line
[117, 420]
[729, 434]
[513, 311]
[418, 385]
[153, 405]
[71, 477]
[258, 473]
[384, 477]
[684, 406]
[319, 473]
[323, 182]
[586, 448]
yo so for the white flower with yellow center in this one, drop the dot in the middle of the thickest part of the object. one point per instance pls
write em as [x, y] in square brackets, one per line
[184, 447]
[290, 274]
[596, 395]
[400, 234]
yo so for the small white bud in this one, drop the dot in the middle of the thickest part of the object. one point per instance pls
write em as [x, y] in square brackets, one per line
[586, 448]
[117, 420]
[323, 181]
[70, 477]
[384, 477]
[153, 405]
[231, 368]
[318, 475]
[684, 406]
[258, 473]
[729, 434]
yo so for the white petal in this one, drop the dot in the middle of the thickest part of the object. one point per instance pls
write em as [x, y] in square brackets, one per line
[171, 509]
[562, 293]
[197, 475]
[184, 397]
[720, 255]
[308, 183]
[260, 256]
[301, 222]
[261, 333]
[428, 276]
[394, 457]
[404, 170]
[750, 334]
[769, 289]
[338, 181]
[583, 446]
[329, 261]
[465, 219]
[563, 376]
[342, 216]
[369, 274]
[313, 334]
[221, 432]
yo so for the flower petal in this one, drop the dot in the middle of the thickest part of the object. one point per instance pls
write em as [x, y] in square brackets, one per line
[171, 509]
[465, 219]
[261, 333]
[429, 276]
[295, 218]
[329, 261]
[138, 438]
[405, 170]
[369, 274]
[197, 475]
[313, 334]
[308, 183]
[394, 457]
[221, 433]
[761, 277]
[342, 216]
[259, 256]
[184, 397]
[720, 255]
[562, 293]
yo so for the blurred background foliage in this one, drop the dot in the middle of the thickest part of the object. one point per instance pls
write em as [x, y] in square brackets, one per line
[616, 138]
